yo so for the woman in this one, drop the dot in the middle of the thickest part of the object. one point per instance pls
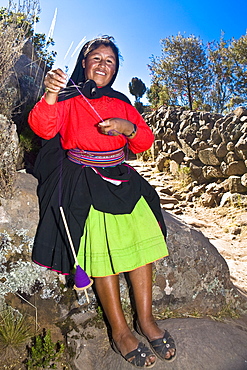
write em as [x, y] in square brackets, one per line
[111, 210]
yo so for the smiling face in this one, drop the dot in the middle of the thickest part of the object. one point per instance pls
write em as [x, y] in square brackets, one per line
[100, 65]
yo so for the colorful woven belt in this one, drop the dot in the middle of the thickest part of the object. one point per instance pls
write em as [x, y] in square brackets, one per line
[96, 159]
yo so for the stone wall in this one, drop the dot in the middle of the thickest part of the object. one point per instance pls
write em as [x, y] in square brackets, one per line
[213, 147]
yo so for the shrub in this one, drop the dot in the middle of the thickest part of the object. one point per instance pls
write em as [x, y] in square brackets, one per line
[44, 353]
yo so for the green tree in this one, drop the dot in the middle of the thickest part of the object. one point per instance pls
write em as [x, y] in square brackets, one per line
[41, 46]
[228, 66]
[158, 94]
[137, 88]
[182, 70]
[237, 51]
[221, 67]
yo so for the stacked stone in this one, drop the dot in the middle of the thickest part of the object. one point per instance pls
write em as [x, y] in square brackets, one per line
[212, 146]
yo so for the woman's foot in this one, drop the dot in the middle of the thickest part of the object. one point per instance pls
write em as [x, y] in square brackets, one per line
[161, 342]
[126, 343]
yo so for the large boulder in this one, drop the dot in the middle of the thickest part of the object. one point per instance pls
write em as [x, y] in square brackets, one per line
[195, 277]
[9, 150]
[201, 344]
[21, 210]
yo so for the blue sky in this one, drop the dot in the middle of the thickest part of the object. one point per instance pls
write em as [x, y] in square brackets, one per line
[137, 26]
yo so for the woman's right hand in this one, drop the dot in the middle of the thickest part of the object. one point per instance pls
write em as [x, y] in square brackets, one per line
[54, 81]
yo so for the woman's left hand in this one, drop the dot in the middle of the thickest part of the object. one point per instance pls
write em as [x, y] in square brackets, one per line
[116, 126]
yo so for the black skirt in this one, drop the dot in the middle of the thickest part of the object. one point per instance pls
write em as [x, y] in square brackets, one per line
[75, 188]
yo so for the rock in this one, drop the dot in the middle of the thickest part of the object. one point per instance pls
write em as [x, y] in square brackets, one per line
[21, 211]
[170, 135]
[174, 167]
[204, 132]
[215, 136]
[210, 172]
[242, 143]
[243, 119]
[202, 145]
[198, 190]
[231, 157]
[156, 148]
[165, 190]
[209, 200]
[235, 168]
[224, 185]
[226, 198]
[167, 206]
[230, 146]
[155, 183]
[195, 261]
[211, 188]
[235, 230]
[187, 149]
[234, 199]
[168, 200]
[196, 172]
[244, 180]
[160, 161]
[221, 151]
[9, 151]
[190, 334]
[208, 157]
[240, 111]
[235, 185]
[196, 143]
[177, 156]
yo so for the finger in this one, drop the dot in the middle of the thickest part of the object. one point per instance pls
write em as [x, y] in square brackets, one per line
[58, 74]
[53, 85]
[103, 131]
[58, 80]
[54, 79]
[104, 124]
[62, 74]
[52, 90]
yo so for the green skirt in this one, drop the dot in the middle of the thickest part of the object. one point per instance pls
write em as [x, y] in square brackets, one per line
[118, 243]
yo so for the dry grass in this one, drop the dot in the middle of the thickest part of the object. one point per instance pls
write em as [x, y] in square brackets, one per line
[15, 24]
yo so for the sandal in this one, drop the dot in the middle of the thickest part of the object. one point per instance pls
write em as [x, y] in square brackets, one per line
[160, 346]
[139, 355]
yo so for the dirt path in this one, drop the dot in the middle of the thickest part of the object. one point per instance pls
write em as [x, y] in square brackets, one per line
[226, 227]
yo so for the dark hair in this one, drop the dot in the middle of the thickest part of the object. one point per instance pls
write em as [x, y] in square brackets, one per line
[78, 73]
[95, 43]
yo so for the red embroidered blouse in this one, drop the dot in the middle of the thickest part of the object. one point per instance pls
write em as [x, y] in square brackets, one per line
[77, 123]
